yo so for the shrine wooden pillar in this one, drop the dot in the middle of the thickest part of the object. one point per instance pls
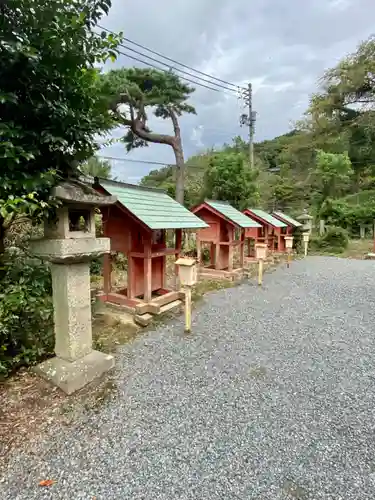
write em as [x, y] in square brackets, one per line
[131, 277]
[242, 248]
[107, 271]
[178, 248]
[230, 248]
[249, 246]
[147, 270]
[215, 252]
[107, 259]
[164, 273]
[178, 243]
[199, 250]
[280, 246]
[266, 236]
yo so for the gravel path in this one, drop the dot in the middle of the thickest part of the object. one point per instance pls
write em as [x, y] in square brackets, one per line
[272, 397]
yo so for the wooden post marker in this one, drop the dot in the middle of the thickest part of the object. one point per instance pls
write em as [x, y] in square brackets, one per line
[187, 270]
[260, 255]
[306, 237]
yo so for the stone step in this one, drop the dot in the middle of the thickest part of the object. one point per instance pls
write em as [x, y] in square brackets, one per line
[143, 319]
[171, 307]
[157, 303]
[166, 298]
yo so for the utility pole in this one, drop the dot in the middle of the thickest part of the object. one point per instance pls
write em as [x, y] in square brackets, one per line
[249, 120]
[251, 128]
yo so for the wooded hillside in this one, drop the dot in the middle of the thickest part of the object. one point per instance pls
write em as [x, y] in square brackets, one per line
[291, 172]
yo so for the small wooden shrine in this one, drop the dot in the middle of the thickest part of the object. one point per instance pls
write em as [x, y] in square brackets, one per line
[291, 223]
[225, 233]
[271, 232]
[137, 226]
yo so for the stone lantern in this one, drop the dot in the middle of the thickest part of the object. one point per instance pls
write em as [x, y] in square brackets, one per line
[69, 244]
[306, 221]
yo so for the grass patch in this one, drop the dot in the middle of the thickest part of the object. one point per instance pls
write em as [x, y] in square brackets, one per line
[207, 286]
[107, 336]
[357, 249]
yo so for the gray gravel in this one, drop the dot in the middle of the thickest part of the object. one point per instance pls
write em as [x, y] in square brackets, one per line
[272, 397]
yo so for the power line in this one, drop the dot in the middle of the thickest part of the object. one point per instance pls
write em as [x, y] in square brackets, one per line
[182, 77]
[180, 70]
[166, 164]
[237, 87]
[147, 162]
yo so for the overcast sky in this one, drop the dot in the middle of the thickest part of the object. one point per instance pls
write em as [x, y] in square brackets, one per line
[281, 46]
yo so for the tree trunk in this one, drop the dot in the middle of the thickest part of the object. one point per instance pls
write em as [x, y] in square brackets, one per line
[180, 172]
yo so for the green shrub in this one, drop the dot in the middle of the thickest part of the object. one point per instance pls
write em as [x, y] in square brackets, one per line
[96, 266]
[335, 240]
[298, 240]
[206, 255]
[26, 313]
[120, 261]
[336, 237]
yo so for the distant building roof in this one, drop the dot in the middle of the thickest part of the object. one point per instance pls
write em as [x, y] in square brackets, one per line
[267, 217]
[231, 213]
[287, 219]
[152, 206]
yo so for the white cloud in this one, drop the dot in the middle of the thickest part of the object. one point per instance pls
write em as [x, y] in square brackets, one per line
[281, 46]
[197, 135]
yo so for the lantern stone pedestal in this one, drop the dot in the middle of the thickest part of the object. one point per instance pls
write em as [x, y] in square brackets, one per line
[69, 245]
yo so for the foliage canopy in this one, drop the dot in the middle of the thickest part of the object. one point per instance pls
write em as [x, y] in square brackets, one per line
[50, 107]
[134, 93]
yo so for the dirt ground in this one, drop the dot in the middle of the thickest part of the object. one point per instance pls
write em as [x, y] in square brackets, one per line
[358, 249]
[29, 405]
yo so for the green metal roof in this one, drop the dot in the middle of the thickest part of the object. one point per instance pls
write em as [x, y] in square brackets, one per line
[267, 217]
[152, 206]
[232, 214]
[288, 219]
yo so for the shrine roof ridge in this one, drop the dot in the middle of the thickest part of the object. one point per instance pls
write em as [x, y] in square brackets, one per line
[152, 207]
[268, 218]
[98, 180]
[232, 214]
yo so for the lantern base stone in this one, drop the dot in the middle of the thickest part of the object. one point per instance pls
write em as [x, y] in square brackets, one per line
[72, 376]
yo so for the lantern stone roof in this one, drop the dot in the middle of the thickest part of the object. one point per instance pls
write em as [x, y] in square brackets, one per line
[266, 217]
[232, 214]
[287, 219]
[305, 216]
[153, 207]
[79, 193]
